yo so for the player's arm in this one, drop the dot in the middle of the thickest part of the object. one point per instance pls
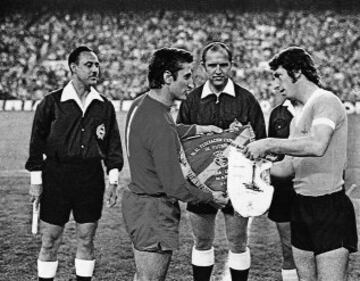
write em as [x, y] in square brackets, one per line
[185, 131]
[327, 113]
[165, 146]
[114, 160]
[314, 144]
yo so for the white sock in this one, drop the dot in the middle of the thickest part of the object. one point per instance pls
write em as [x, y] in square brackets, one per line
[203, 258]
[84, 268]
[289, 275]
[47, 269]
[240, 261]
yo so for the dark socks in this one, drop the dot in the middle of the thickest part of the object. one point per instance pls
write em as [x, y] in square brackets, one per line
[202, 273]
[239, 275]
[81, 278]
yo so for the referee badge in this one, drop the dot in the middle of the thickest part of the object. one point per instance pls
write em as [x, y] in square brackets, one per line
[100, 131]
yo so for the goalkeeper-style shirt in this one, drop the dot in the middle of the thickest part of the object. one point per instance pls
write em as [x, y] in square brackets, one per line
[153, 147]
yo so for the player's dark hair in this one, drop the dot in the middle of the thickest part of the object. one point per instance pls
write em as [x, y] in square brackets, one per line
[215, 46]
[166, 59]
[295, 59]
[74, 55]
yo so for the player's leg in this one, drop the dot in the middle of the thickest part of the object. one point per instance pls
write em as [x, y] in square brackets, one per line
[336, 236]
[305, 264]
[203, 257]
[288, 271]
[50, 241]
[85, 260]
[151, 266]
[239, 253]
[87, 197]
[280, 213]
[332, 265]
[54, 214]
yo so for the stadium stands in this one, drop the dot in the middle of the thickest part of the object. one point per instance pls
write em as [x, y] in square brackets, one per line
[33, 47]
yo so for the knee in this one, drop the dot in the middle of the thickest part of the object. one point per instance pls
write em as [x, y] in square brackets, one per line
[237, 242]
[203, 243]
[85, 241]
[49, 247]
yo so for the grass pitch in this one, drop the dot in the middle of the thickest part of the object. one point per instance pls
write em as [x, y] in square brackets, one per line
[19, 248]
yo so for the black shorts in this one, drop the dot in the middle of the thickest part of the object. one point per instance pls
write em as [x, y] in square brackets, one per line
[203, 208]
[72, 187]
[281, 204]
[324, 223]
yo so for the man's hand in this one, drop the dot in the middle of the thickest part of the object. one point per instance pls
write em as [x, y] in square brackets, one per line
[111, 195]
[256, 149]
[220, 199]
[235, 125]
[35, 193]
[208, 129]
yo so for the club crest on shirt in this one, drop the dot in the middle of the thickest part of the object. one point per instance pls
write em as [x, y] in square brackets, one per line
[100, 131]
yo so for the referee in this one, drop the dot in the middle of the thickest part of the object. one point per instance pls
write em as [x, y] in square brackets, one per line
[74, 129]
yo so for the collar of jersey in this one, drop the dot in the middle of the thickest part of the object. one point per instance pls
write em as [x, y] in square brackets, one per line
[287, 103]
[69, 93]
[229, 89]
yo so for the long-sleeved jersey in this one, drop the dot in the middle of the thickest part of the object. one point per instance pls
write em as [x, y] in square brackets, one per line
[153, 147]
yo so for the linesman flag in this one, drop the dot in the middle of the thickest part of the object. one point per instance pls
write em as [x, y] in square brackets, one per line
[216, 162]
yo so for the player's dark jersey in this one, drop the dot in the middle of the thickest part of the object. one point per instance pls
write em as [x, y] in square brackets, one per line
[153, 148]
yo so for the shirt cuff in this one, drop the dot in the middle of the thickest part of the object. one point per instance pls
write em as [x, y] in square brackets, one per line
[114, 176]
[36, 177]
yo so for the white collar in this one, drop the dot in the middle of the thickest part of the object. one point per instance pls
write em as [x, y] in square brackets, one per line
[69, 93]
[287, 103]
[229, 89]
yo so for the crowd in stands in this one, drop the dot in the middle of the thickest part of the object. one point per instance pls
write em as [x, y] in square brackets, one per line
[33, 49]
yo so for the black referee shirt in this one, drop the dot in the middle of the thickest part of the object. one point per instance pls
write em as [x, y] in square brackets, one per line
[222, 111]
[62, 132]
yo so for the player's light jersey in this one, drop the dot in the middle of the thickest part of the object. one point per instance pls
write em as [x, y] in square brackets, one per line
[316, 176]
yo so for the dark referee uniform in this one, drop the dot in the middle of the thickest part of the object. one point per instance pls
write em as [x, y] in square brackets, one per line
[67, 145]
[204, 108]
[279, 127]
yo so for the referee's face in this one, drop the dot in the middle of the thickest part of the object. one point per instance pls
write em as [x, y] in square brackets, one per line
[217, 67]
[87, 69]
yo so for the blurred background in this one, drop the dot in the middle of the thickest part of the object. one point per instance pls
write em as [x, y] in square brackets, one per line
[37, 36]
